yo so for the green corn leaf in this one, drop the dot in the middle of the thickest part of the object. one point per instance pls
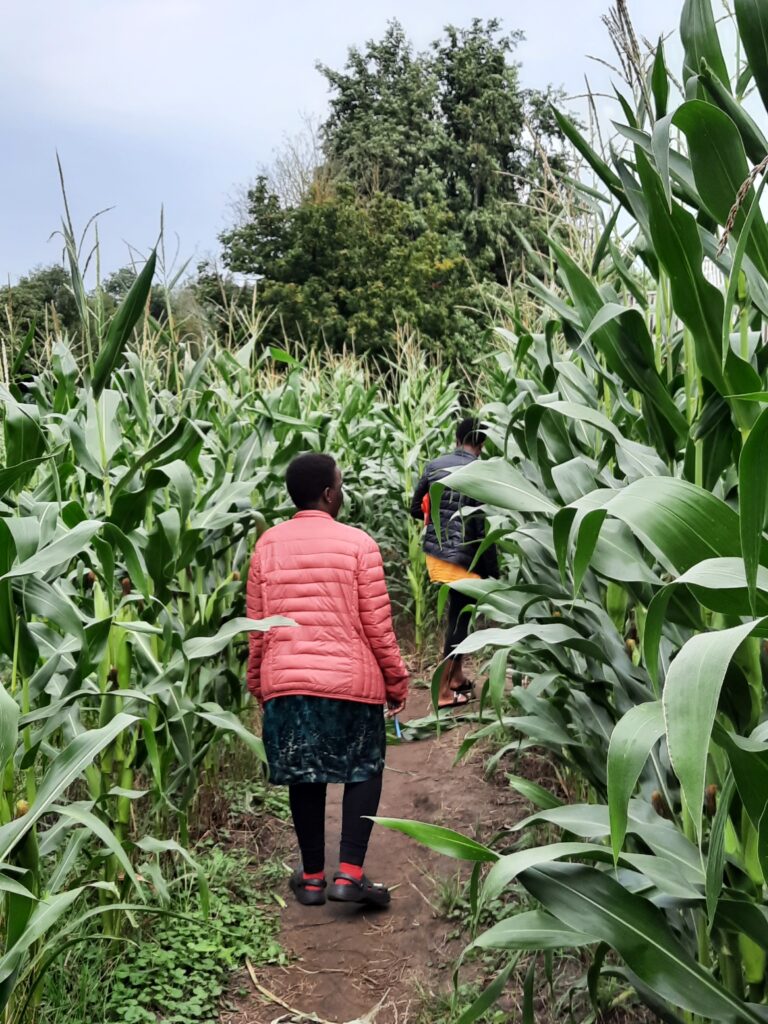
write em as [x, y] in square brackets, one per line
[716, 854]
[603, 243]
[497, 678]
[697, 302]
[621, 335]
[9, 727]
[632, 740]
[748, 758]
[754, 141]
[720, 168]
[157, 846]
[584, 517]
[228, 722]
[589, 526]
[583, 898]
[508, 867]
[529, 1011]
[58, 552]
[488, 997]
[690, 699]
[532, 929]
[47, 601]
[24, 439]
[532, 791]
[44, 916]
[752, 22]
[496, 482]
[22, 471]
[598, 165]
[681, 524]
[122, 325]
[133, 564]
[700, 40]
[548, 633]
[24, 347]
[617, 557]
[175, 442]
[443, 840]
[199, 647]
[753, 502]
[10, 885]
[741, 915]
[67, 766]
[719, 584]
[738, 259]
[83, 816]
[660, 81]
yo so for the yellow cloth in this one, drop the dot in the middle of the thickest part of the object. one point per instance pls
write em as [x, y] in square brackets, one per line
[446, 572]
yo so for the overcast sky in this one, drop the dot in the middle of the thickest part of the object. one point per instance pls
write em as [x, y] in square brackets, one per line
[174, 103]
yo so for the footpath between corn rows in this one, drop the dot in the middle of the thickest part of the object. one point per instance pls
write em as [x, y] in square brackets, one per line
[349, 961]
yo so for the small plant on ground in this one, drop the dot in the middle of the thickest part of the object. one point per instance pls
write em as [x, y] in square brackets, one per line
[178, 967]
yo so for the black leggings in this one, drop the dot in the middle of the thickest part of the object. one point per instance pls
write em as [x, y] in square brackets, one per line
[458, 620]
[307, 801]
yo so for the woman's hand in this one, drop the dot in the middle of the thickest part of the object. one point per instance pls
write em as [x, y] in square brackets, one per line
[394, 708]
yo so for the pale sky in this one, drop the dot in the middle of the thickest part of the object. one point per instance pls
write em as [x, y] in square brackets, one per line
[174, 103]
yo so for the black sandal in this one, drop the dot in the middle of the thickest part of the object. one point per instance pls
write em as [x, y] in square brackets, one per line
[457, 702]
[466, 687]
[358, 890]
[308, 891]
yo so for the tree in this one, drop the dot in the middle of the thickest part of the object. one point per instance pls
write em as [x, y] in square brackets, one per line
[427, 176]
[42, 296]
[484, 156]
[383, 132]
[453, 123]
[349, 270]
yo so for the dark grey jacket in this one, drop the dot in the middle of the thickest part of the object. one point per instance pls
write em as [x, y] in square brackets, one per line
[460, 534]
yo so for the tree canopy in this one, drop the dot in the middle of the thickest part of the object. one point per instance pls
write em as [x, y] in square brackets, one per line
[427, 170]
[41, 295]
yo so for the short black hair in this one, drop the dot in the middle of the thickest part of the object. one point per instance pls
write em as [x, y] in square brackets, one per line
[308, 476]
[471, 431]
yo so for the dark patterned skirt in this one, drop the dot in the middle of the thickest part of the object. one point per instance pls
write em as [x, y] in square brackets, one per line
[319, 739]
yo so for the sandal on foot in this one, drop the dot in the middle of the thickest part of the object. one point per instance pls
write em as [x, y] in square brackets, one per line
[308, 891]
[358, 890]
[460, 700]
[465, 686]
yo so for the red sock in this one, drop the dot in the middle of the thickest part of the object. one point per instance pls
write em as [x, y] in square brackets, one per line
[314, 876]
[355, 870]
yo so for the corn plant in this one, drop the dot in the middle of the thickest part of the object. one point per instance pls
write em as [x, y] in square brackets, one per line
[631, 484]
[139, 468]
[123, 525]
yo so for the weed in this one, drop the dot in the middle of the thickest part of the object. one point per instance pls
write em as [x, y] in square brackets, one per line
[176, 968]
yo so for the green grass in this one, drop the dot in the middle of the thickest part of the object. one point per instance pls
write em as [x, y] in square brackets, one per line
[175, 970]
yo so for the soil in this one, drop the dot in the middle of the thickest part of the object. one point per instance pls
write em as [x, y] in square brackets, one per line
[349, 959]
[387, 967]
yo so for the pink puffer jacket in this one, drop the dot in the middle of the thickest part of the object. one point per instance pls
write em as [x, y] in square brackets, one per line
[329, 578]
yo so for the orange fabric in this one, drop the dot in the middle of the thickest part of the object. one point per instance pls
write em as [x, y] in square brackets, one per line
[328, 578]
[446, 572]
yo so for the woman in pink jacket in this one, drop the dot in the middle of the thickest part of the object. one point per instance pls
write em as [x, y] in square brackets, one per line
[323, 684]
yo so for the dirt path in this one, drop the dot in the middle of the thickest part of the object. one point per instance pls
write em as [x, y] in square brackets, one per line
[349, 959]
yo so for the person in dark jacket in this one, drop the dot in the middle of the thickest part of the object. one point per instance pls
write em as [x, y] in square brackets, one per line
[454, 556]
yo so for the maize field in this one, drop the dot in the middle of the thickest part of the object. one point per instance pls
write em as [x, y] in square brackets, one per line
[629, 493]
[625, 386]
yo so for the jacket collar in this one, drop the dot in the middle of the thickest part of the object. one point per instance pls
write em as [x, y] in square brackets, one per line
[464, 454]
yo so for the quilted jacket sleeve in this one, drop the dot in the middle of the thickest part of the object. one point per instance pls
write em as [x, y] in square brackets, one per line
[376, 619]
[422, 489]
[255, 610]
